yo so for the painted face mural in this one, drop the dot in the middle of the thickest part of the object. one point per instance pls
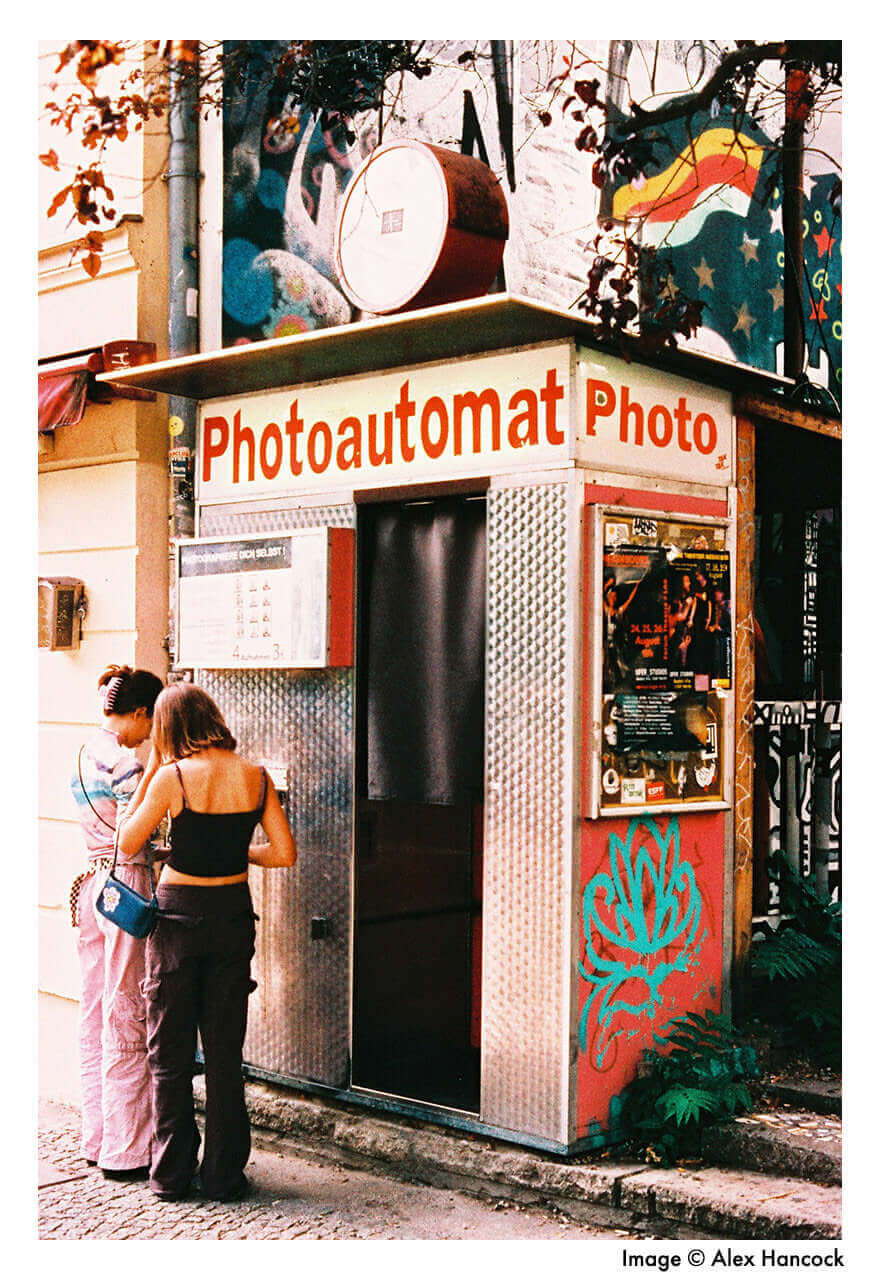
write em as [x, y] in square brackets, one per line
[284, 171]
[642, 919]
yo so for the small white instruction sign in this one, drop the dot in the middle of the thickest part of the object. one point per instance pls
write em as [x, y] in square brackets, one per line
[256, 601]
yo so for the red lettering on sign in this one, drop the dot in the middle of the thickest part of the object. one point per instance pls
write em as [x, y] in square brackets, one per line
[271, 434]
[529, 416]
[469, 423]
[660, 436]
[601, 400]
[319, 464]
[241, 435]
[705, 433]
[476, 403]
[376, 458]
[638, 417]
[434, 407]
[682, 417]
[551, 393]
[404, 410]
[210, 449]
[348, 453]
[293, 427]
[663, 424]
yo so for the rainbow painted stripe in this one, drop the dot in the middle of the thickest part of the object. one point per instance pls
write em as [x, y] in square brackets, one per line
[720, 165]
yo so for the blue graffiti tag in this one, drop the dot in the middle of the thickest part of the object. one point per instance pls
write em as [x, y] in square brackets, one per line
[647, 904]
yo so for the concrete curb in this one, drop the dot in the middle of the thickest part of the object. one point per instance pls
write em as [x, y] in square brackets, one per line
[707, 1202]
[750, 1143]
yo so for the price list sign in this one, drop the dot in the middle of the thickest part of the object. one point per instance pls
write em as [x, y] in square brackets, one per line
[254, 602]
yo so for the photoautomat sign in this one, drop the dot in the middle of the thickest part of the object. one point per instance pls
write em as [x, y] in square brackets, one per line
[470, 417]
[636, 419]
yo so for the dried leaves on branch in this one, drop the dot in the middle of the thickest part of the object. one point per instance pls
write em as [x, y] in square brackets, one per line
[333, 78]
[752, 83]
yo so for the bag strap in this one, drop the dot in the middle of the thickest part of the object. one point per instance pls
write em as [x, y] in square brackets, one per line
[86, 794]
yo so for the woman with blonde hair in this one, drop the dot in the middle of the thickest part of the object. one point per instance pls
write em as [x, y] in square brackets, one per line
[114, 1074]
[199, 954]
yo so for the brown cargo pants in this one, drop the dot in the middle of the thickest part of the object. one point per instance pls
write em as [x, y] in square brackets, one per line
[198, 980]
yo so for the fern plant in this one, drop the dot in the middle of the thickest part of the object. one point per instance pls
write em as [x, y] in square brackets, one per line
[797, 968]
[700, 1079]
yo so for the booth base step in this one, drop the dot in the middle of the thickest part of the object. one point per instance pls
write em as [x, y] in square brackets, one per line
[694, 1202]
[799, 1144]
[822, 1096]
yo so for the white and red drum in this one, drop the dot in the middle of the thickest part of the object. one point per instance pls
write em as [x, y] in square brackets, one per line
[419, 225]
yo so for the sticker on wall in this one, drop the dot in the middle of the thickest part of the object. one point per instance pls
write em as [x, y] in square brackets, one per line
[643, 527]
[705, 774]
[611, 782]
[655, 792]
[633, 791]
[710, 751]
[616, 534]
[175, 425]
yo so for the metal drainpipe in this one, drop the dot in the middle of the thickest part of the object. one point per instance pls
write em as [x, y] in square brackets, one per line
[183, 272]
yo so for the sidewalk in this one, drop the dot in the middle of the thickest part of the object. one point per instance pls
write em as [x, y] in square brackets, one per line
[295, 1197]
[324, 1170]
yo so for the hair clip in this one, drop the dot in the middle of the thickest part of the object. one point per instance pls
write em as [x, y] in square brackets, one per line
[110, 692]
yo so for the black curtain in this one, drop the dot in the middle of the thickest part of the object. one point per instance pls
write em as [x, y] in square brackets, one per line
[423, 600]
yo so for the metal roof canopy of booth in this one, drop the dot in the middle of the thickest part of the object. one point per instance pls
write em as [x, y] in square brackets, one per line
[447, 332]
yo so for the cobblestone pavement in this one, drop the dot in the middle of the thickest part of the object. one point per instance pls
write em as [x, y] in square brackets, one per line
[293, 1197]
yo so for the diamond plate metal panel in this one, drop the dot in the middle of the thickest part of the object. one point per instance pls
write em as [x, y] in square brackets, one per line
[527, 907]
[298, 1019]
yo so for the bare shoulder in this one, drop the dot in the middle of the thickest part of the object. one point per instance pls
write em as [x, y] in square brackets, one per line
[164, 780]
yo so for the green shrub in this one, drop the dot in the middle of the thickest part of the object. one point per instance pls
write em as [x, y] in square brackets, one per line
[700, 1080]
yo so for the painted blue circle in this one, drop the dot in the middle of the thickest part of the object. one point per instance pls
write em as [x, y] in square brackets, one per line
[248, 287]
[272, 189]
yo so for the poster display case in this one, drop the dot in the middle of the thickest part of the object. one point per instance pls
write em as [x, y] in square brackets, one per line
[666, 661]
[270, 600]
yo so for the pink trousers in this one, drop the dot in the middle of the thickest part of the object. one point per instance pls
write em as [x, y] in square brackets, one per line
[112, 1033]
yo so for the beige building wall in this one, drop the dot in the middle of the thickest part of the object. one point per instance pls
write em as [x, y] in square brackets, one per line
[103, 518]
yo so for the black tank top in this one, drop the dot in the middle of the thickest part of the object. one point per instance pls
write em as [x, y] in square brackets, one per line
[212, 844]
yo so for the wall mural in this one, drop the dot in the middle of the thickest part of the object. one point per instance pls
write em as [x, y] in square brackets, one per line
[797, 794]
[712, 206]
[284, 172]
[652, 913]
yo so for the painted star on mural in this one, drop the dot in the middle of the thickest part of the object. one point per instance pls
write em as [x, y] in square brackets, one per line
[776, 219]
[777, 293]
[744, 320]
[749, 249]
[824, 243]
[704, 274]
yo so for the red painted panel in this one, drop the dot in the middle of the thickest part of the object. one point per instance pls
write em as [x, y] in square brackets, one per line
[652, 899]
[649, 500]
[341, 597]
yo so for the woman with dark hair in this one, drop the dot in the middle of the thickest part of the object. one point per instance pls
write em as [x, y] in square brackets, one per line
[199, 954]
[112, 1017]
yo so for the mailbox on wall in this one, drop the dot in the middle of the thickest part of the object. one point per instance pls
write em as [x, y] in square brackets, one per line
[268, 600]
[61, 605]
